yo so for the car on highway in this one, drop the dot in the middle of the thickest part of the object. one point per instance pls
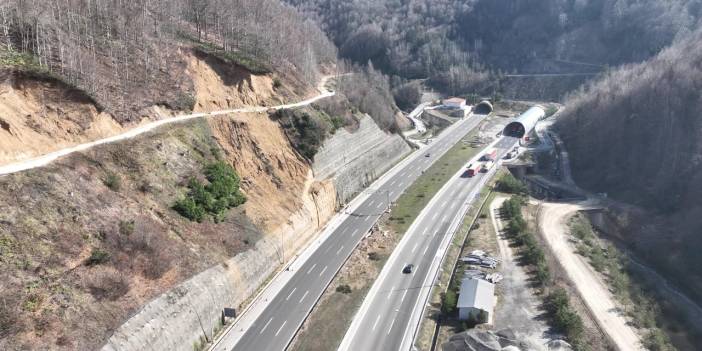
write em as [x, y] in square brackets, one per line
[427, 155]
[408, 269]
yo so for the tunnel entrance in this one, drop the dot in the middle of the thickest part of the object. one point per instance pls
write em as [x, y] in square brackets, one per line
[515, 129]
[483, 108]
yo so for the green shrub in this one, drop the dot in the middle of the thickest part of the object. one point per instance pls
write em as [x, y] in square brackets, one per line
[305, 131]
[373, 256]
[112, 181]
[126, 228]
[515, 226]
[337, 122]
[472, 99]
[219, 195]
[97, 256]
[277, 83]
[550, 111]
[344, 289]
[183, 102]
[564, 318]
[188, 208]
[509, 184]
[543, 275]
[448, 302]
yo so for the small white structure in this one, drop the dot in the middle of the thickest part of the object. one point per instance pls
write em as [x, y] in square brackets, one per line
[476, 295]
[454, 102]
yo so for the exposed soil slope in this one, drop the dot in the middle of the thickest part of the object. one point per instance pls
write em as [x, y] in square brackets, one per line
[40, 115]
[57, 217]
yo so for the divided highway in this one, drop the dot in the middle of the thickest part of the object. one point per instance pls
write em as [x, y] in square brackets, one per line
[279, 321]
[389, 316]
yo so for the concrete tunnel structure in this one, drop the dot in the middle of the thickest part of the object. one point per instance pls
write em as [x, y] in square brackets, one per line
[483, 108]
[525, 123]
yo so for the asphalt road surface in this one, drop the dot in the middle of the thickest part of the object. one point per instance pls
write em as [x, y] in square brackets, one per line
[280, 320]
[386, 318]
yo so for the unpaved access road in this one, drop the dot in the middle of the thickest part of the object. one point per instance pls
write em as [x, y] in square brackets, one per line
[553, 223]
[46, 159]
[518, 307]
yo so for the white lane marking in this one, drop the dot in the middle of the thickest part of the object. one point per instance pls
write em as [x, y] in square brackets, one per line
[265, 326]
[415, 247]
[444, 218]
[415, 269]
[425, 250]
[281, 328]
[436, 214]
[303, 296]
[314, 265]
[339, 250]
[453, 204]
[367, 219]
[380, 205]
[376, 322]
[355, 232]
[344, 231]
[371, 203]
[425, 231]
[323, 270]
[392, 193]
[390, 292]
[403, 296]
[435, 232]
[391, 324]
[291, 292]
[443, 204]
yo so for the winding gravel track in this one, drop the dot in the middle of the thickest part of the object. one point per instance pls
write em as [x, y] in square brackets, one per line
[46, 159]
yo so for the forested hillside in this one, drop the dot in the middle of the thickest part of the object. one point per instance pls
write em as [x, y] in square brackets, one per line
[128, 55]
[450, 41]
[636, 135]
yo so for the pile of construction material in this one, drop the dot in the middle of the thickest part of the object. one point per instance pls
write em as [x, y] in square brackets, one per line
[480, 258]
[503, 340]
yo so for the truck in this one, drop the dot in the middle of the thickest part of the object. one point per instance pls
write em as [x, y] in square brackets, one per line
[474, 169]
[487, 166]
[489, 155]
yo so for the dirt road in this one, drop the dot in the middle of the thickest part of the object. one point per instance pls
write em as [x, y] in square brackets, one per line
[553, 222]
[44, 160]
[518, 307]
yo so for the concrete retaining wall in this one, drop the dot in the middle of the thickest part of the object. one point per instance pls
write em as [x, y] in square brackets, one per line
[178, 319]
[354, 160]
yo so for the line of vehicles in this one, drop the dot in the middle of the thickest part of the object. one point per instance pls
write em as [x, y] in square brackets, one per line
[486, 162]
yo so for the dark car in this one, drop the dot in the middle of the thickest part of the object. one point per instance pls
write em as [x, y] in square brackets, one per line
[427, 155]
[408, 269]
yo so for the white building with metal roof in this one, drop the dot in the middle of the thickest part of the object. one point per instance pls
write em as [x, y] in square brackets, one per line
[476, 295]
